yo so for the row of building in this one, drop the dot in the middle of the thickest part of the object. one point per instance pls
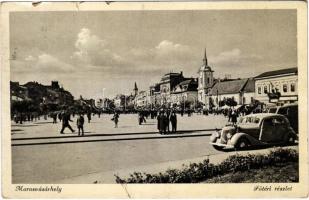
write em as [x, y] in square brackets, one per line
[53, 97]
[174, 89]
[40, 94]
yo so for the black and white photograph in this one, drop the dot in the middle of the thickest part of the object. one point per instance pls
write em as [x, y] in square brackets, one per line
[204, 96]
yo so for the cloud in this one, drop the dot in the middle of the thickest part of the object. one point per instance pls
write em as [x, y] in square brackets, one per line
[92, 50]
[170, 51]
[233, 62]
[30, 58]
[167, 47]
[49, 63]
[233, 57]
[42, 63]
[163, 56]
[95, 53]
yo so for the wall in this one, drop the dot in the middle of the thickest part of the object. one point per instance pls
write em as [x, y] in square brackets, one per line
[277, 82]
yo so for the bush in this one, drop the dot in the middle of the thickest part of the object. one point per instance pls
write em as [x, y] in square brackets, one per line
[197, 172]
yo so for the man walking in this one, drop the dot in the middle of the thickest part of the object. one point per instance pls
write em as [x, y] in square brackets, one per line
[161, 123]
[80, 124]
[89, 116]
[173, 119]
[54, 116]
[168, 113]
[65, 122]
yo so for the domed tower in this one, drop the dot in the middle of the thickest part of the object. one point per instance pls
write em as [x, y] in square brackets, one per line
[206, 80]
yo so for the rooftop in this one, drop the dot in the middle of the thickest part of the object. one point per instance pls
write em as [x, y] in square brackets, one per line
[278, 72]
[250, 86]
[171, 75]
[228, 87]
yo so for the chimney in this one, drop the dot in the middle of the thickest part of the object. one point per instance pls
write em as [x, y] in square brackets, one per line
[181, 73]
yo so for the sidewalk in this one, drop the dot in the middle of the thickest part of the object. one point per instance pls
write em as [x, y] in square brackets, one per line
[108, 176]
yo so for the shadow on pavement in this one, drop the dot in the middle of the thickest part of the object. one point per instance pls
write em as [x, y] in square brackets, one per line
[16, 130]
[113, 139]
[115, 134]
[24, 125]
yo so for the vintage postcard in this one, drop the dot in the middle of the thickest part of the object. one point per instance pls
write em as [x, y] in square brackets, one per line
[154, 100]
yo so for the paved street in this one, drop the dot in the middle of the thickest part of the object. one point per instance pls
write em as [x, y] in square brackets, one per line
[105, 150]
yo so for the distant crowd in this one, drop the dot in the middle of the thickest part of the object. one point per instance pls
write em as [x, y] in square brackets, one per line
[166, 118]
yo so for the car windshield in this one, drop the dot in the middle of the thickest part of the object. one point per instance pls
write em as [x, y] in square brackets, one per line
[249, 120]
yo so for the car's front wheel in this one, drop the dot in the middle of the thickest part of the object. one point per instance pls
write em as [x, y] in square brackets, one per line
[242, 143]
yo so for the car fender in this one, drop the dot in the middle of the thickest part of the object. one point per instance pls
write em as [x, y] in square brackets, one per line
[237, 136]
[214, 137]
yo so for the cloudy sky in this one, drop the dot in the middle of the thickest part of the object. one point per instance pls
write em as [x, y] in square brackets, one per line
[89, 51]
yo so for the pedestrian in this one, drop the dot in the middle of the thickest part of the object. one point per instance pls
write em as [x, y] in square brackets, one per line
[80, 124]
[60, 115]
[166, 122]
[168, 113]
[115, 119]
[65, 122]
[54, 116]
[89, 116]
[234, 117]
[141, 118]
[161, 123]
[229, 114]
[173, 119]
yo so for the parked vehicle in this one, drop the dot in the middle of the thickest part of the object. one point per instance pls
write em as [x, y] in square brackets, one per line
[290, 111]
[255, 130]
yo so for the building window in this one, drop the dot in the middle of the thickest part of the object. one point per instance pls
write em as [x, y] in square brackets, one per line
[252, 99]
[244, 100]
[208, 80]
[265, 90]
[285, 88]
[292, 87]
[259, 90]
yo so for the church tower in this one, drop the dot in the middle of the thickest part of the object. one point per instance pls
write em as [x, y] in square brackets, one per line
[206, 79]
[135, 89]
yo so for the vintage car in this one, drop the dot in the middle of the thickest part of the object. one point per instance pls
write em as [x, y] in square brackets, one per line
[254, 130]
[290, 111]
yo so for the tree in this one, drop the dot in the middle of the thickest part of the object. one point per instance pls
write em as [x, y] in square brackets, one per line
[222, 103]
[230, 102]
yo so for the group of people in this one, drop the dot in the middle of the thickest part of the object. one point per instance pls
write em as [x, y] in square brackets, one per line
[29, 116]
[165, 118]
[66, 119]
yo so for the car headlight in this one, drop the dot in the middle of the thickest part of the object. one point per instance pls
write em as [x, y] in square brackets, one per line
[217, 134]
[229, 136]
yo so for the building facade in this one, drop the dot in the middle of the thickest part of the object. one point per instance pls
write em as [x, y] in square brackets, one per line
[141, 99]
[167, 84]
[240, 90]
[279, 86]
[185, 91]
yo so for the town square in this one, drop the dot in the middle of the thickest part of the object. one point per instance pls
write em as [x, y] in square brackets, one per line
[154, 97]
